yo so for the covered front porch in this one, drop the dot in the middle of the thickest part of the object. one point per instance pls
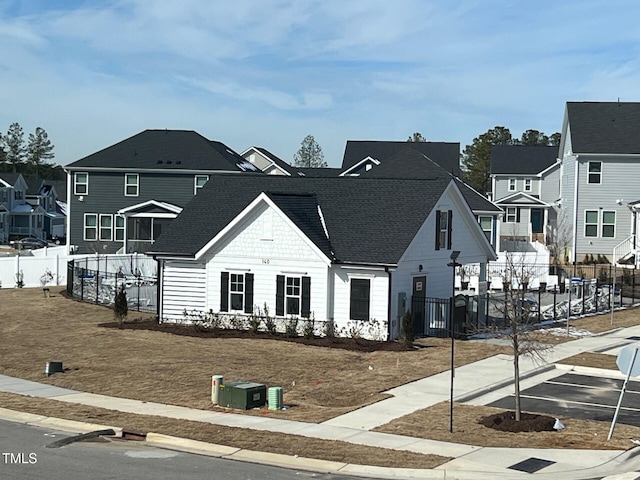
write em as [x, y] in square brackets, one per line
[144, 222]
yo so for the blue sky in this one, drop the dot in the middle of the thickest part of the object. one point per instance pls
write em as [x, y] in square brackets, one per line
[267, 73]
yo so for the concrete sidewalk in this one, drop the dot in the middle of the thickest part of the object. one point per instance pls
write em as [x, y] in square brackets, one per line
[472, 382]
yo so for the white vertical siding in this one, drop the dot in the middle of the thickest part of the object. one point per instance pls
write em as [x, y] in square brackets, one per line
[183, 288]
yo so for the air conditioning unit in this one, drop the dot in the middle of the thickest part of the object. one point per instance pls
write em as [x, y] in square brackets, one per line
[242, 395]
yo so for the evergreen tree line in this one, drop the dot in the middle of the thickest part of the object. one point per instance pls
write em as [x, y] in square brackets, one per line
[30, 157]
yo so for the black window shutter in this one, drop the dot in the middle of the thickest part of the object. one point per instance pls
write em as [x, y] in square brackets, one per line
[224, 291]
[280, 295]
[437, 229]
[306, 297]
[449, 229]
[248, 293]
[518, 215]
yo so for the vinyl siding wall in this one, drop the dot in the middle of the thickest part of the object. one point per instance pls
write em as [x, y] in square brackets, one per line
[106, 196]
[619, 182]
[434, 262]
[502, 185]
[184, 287]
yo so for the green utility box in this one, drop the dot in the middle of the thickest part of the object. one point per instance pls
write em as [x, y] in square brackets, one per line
[242, 395]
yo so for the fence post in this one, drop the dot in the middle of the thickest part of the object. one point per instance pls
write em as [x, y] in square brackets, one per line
[633, 287]
[555, 294]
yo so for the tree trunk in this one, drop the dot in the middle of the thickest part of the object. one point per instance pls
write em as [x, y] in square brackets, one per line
[516, 373]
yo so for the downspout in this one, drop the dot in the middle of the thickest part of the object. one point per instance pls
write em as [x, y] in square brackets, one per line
[386, 269]
[575, 211]
[159, 290]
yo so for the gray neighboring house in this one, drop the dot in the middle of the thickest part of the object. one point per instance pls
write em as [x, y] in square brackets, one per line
[18, 218]
[600, 152]
[121, 198]
[51, 195]
[525, 183]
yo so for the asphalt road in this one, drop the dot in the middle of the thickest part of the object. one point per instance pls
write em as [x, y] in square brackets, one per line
[24, 456]
[580, 396]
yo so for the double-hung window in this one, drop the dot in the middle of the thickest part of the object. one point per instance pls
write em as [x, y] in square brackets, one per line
[90, 226]
[236, 292]
[512, 215]
[591, 223]
[527, 185]
[293, 296]
[595, 172]
[119, 230]
[106, 228]
[609, 224]
[359, 299]
[486, 223]
[131, 184]
[80, 183]
[512, 184]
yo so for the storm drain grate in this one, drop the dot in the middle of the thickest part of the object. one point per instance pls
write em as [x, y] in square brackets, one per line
[531, 465]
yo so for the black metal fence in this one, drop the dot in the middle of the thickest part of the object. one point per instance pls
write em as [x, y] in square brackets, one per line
[94, 285]
[580, 290]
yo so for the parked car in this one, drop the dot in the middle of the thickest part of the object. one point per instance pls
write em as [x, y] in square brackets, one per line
[29, 243]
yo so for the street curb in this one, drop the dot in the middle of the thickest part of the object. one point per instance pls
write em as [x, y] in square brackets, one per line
[591, 370]
[466, 397]
[185, 444]
[70, 426]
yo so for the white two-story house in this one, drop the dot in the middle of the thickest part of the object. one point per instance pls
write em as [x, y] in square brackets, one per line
[525, 183]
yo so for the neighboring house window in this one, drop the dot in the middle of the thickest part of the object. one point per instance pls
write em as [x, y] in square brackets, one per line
[80, 183]
[527, 184]
[513, 215]
[106, 228]
[18, 195]
[131, 184]
[486, 223]
[236, 292]
[595, 172]
[512, 184]
[90, 226]
[591, 223]
[39, 221]
[119, 232]
[200, 180]
[359, 299]
[293, 296]
[443, 229]
[609, 224]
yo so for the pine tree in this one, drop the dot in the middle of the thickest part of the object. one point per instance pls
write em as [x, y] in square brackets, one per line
[39, 150]
[13, 143]
[309, 154]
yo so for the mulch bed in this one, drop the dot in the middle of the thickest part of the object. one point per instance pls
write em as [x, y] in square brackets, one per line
[529, 422]
[353, 344]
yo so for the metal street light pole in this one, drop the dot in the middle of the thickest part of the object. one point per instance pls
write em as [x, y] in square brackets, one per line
[453, 264]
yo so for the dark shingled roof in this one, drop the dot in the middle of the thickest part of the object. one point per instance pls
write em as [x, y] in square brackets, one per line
[410, 163]
[166, 150]
[10, 177]
[369, 221]
[522, 159]
[300, 171]
[604, 127]
[445, 154]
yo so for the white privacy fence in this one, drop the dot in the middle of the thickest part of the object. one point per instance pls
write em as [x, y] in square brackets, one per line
[32, 268]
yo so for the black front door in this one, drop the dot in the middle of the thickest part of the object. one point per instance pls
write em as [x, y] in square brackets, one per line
[418, 303]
